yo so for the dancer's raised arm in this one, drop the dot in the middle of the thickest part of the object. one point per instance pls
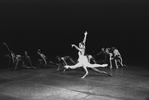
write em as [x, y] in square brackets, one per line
[84, 40]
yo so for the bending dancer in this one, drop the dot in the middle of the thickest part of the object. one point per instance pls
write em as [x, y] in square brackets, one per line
[11, 56]
[65, 58]
[62, 61]
[83, 60]
[117, 57]
[42, 56]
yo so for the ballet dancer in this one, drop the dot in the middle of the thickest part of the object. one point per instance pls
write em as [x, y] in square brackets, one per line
[83, 60]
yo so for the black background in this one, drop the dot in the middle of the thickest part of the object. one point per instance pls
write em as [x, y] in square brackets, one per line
[53, 25]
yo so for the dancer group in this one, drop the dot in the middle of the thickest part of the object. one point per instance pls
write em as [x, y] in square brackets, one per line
[17, 60]
[84, 60]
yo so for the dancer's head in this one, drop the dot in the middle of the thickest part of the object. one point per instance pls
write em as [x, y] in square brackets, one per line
[103, 49]
[107, 50]
[90, 56]
[81, 45]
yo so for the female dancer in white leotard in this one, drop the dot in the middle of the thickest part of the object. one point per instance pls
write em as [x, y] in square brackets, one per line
[83, 60]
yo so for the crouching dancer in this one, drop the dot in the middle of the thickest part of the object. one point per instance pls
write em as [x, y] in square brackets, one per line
[62, 61]
[83, 61]
[117, 58]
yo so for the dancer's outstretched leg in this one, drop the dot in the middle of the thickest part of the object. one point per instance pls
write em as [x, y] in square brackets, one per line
[73, 66]
[97, 65]
[77, 66]
[102, 72]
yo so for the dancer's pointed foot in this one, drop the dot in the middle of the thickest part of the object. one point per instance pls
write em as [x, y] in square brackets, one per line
[83, 77]
[66, 67]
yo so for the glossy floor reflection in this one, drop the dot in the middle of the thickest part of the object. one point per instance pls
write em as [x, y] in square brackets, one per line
[129, 83]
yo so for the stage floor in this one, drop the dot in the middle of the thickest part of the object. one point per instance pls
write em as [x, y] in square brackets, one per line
[129, 83]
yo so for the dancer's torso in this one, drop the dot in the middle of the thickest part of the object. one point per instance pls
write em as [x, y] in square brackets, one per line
[82, 58]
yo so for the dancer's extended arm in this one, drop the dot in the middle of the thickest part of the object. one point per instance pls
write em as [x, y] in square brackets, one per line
[85, 34]
[73, 45]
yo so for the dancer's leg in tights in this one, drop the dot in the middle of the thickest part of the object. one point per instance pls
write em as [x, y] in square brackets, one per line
[96, 65]
[86, 72]
[73, 66]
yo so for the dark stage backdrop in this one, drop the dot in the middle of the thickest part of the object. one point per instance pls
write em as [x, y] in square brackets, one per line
[53, 25]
